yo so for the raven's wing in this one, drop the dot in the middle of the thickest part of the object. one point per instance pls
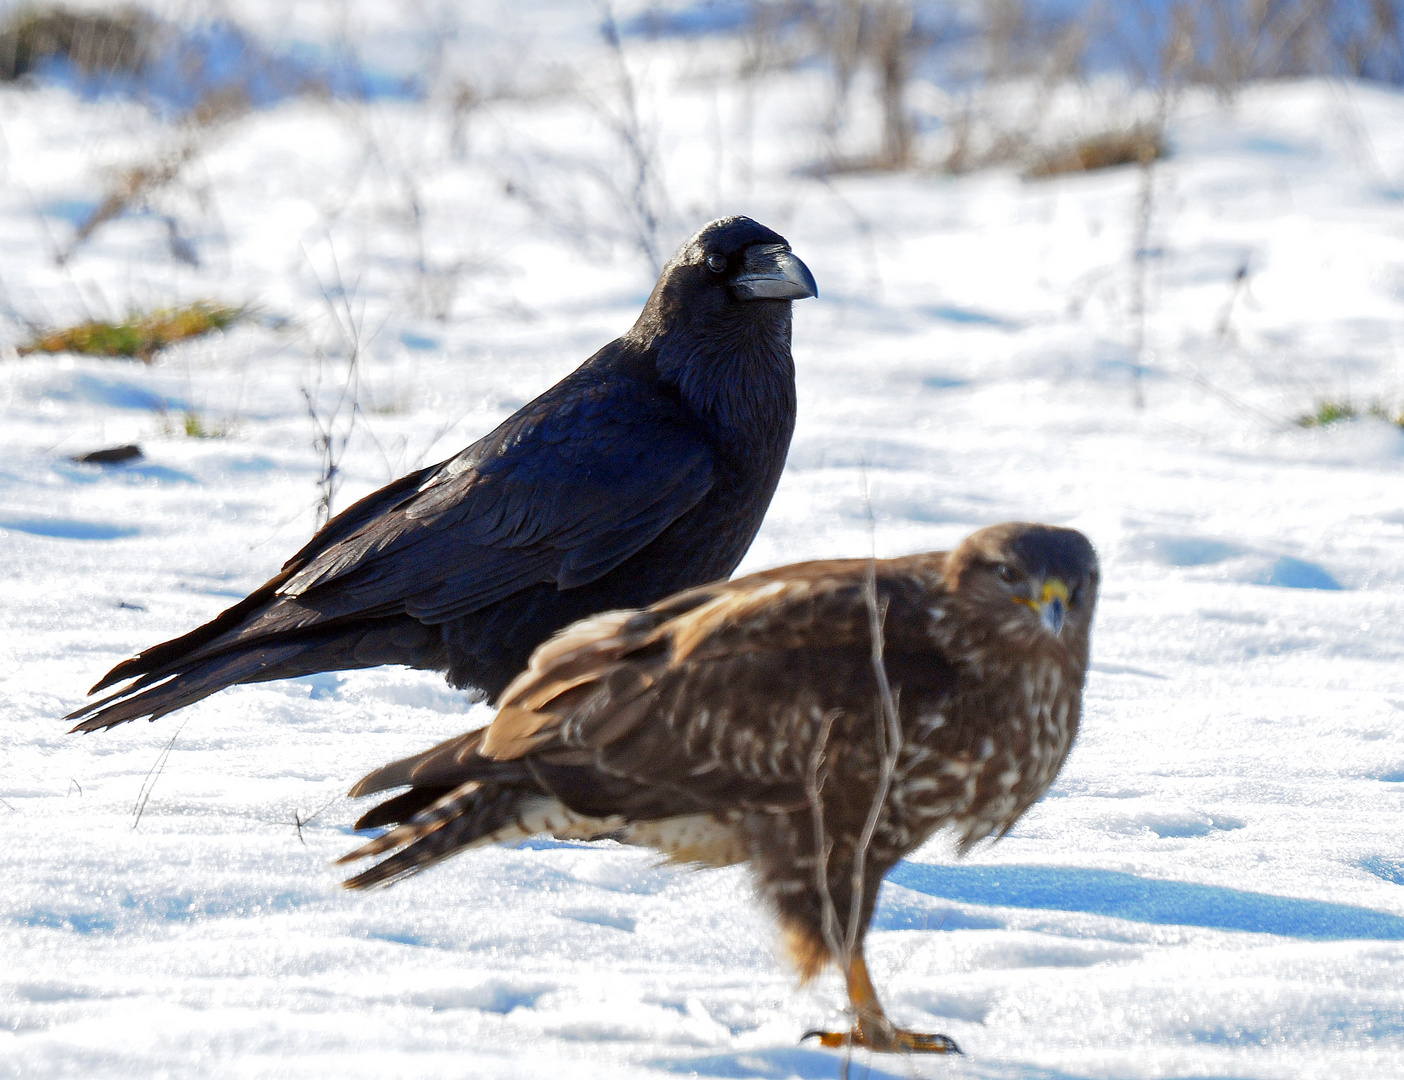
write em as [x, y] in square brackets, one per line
[163, 657]
[562, 492]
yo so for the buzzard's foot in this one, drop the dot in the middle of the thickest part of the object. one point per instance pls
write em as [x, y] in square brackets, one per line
[874, 1030]
[887, 1039]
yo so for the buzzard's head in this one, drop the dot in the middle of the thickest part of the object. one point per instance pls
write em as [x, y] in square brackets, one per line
[1044, 577]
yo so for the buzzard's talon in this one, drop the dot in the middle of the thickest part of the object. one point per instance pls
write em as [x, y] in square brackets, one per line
[897, 1040]
[874, 1031]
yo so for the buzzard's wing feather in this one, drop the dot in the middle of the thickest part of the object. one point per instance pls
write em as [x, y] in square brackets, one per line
[709, 702]
[731, 688]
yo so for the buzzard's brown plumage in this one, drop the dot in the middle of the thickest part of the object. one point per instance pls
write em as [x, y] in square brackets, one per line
[748, 721]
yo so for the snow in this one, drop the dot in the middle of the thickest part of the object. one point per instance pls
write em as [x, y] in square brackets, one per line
[1214, 887]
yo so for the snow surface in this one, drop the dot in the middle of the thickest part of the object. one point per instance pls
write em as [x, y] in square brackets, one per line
[1214, 887]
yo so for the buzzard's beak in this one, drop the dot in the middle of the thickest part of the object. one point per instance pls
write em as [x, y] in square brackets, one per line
[771, 272]
[1051, 605]
[1052, 608]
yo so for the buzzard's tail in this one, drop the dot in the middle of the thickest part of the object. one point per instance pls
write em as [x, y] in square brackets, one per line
[468, 816]
[472, 815]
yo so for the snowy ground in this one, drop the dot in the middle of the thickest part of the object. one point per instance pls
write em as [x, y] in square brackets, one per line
[1215, 886]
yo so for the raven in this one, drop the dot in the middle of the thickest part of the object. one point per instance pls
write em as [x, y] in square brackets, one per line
[646, 470]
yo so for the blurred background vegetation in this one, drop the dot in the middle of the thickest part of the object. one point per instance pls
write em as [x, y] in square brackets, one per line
[202, 65]
[936, 86]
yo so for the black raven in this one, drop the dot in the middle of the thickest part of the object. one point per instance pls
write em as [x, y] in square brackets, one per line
[645, 471]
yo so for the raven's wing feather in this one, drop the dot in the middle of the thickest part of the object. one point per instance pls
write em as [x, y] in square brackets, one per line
[164, 657]
[562, 492]
[557, 494]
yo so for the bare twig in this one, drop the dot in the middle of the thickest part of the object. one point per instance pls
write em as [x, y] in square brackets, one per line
[299, 821]
[1271, 420]
[644, 200]
[1178, 54]
[889, 745]
[1223, 326]
[888, 731]
[888, 748]
[438, 282]
[1140, 256]
[840, 950]
[845, 50]
[894, 31]
[131, 187]
[329, 440]
[153, 774]
[813, 789]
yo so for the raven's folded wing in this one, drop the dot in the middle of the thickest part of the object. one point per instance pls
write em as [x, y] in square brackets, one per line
[563, 492]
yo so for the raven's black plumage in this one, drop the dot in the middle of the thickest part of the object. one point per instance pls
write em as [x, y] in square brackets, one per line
[646, 470]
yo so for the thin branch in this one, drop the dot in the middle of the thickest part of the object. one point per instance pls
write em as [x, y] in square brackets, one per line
[299, 821]
[813, 788]
[840, 950]
[646, 201]
[889, 746]
[153, 774]
[329, 443]
[1140, 255]
[1177, 55]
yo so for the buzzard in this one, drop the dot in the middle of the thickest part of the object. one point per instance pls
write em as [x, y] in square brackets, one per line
[816, 722]
[645, 471]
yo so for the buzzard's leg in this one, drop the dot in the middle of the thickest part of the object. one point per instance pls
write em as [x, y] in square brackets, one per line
[874, 1030]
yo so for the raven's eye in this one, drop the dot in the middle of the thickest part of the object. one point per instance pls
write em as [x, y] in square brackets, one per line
[716, 263]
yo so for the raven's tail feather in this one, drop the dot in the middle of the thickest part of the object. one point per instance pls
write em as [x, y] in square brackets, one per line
[284, 656]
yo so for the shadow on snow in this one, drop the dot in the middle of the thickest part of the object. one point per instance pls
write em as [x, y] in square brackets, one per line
[1118, 895]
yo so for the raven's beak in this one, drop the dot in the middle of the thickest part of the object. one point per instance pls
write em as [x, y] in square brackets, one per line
[771, 272]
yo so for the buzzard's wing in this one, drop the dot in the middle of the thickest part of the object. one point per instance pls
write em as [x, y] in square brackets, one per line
[709, 702]
[710, 699]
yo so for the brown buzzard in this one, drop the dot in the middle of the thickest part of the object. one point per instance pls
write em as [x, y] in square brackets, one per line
[816, 722]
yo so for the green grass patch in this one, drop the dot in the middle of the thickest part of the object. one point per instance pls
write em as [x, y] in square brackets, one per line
[192, 425]
[1330, 411]
[138, 336]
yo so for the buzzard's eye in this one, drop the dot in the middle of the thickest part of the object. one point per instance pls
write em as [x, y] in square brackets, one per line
[1007, 573]
[716, 263]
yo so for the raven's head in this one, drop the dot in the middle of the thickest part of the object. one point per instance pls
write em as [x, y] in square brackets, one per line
[734, 269]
